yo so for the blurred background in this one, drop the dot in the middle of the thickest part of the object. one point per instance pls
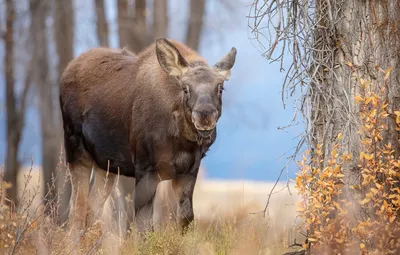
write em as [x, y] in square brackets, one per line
[257, 133]
[49, 33]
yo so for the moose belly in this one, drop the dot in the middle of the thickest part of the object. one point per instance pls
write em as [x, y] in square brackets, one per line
[108, 144]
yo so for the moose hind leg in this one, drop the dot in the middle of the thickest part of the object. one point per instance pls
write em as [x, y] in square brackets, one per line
[99, 192]
[80, 171]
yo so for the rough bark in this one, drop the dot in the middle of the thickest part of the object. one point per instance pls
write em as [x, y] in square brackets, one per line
[365, 34]
[195, 23]
[101, 23]
[332, 45]
[160, 19]
[64, 39]
[14, 121]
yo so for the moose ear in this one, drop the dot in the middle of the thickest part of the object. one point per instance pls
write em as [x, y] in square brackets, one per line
[225, 65]
[169, 58]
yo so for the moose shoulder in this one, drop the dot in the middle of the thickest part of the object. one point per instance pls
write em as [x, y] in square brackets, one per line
[151, 116]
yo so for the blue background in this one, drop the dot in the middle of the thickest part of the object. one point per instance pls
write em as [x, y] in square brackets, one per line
[249, 144]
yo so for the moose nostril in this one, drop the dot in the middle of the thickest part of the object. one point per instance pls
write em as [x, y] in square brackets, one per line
[205, 115]
[215, 115]
[195, 116]
[204, 119]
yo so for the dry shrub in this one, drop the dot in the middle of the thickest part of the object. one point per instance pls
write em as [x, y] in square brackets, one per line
[27, 229]
[18, 226]
[331, 227]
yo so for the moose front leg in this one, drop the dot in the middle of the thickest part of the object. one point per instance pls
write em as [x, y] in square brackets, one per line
[183, 186]
[144, 196]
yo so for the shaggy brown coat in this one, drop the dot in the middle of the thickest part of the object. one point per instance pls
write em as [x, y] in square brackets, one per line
[150, 116]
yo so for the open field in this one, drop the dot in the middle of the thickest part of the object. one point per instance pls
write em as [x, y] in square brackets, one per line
[225, 223]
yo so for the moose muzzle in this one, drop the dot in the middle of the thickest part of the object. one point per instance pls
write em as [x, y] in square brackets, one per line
[205, 119]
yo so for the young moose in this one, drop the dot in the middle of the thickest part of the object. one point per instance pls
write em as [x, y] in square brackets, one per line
[150, 116]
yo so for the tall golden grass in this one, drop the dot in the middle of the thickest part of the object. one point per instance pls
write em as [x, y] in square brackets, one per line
[226, 223]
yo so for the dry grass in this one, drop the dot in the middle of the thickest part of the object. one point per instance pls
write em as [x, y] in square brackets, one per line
[224, 224]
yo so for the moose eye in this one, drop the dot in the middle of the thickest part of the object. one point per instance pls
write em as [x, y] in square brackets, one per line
[220, 89]
[186, 90]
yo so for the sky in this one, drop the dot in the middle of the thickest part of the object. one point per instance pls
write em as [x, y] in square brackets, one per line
[249, 144]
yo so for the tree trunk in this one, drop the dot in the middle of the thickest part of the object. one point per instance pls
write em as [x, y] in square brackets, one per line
[367, 34]
[64, 31]
[101, 23]
[14, 122]
[352, 39]
[339, 51]
[125, 23]
[140, 33]
[160, 19]
[50, 144]
[132, 29]
[64, 39]
[195, 24]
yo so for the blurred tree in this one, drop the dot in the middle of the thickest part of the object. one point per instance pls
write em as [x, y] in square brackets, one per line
[135, 33]
[64, 31]
[15, 109]
[160, 19]
[133, 28]
[140, 32]
[63, 17]
[195, 23]
[48, 124]
[101, 23]
[125, 22]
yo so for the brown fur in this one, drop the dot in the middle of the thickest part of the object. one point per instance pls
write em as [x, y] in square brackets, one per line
[127, 114]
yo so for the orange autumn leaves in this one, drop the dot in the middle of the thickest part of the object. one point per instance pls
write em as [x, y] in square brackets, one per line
[375, 227]
[322, 209]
